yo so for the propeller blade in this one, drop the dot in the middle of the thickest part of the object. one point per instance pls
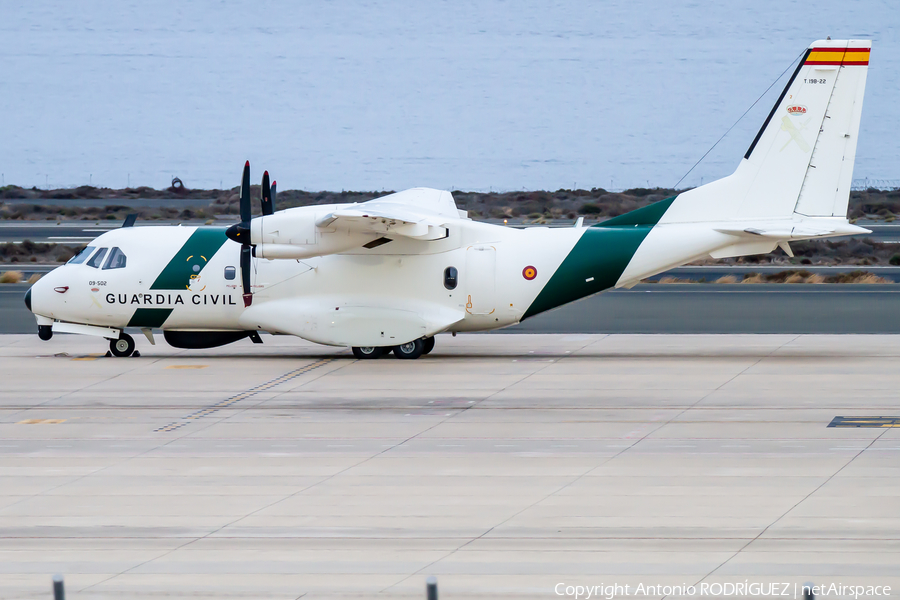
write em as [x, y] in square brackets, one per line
[245, 274]
[266, 195]
[245, 193]
[274, 183]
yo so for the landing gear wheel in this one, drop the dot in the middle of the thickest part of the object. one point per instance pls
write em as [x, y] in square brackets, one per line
[124, 346]
[410, 350]
[366, 352]
[429, 344]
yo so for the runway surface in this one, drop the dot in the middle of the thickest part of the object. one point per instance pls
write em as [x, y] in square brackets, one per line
[504, 465]
[68, 232]
[670, 308]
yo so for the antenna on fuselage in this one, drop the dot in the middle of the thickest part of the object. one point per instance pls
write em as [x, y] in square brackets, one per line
[129, 220]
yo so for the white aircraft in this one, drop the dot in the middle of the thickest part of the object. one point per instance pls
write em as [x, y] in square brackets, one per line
[389, 274]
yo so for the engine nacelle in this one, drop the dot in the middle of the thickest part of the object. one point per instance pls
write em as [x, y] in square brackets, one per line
[293, 234]
[326, 246]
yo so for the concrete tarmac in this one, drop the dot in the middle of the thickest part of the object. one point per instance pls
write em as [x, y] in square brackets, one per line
[503, 465]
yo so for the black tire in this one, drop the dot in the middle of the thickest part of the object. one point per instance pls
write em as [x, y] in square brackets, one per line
[124, 346]
[410, 350]
[366, 352]
[429, 345]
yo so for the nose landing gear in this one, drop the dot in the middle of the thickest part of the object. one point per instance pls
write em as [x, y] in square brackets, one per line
[124, 346]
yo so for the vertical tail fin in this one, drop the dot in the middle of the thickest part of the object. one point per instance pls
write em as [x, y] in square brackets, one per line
[801, 161]
[826, 187]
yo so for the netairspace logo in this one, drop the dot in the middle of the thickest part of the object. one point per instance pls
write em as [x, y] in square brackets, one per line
[740, 588]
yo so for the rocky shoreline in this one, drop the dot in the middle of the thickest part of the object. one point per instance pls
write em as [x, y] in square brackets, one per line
[527, 208]
[18, 203]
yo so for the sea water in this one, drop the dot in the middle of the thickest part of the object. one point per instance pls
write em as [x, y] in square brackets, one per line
[468, 94]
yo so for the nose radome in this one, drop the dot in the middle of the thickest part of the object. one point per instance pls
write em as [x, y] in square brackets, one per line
[28, 298]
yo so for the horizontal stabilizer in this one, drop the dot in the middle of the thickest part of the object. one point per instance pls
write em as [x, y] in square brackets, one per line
[795, 231]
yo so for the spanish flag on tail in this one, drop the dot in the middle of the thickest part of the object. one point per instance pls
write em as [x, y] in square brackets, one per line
[846, 57]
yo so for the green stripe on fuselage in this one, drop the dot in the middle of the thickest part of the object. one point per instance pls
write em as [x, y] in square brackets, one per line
[598, 258]
[647, 215]
[196, 252]
[149, 317]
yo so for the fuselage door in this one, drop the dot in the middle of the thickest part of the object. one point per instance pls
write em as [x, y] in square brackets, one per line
[480, 279]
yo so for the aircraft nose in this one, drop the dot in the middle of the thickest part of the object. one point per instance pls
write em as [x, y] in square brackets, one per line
[28, 298]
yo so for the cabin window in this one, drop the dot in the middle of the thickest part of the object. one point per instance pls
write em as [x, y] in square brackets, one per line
[451, 276]
[97, 258]
[116, 260]
[81, 256]
[229, 273]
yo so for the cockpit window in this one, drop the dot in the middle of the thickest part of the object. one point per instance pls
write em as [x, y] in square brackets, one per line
[97, 258]
[81, 256]
[116, 260]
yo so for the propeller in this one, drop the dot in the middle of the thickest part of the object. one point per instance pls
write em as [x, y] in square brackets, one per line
[272, 207]
[240, 233]
[268, 196]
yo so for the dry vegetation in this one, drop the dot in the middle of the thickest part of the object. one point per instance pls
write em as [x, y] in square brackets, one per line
[789, 276]
[11, 277]
[29, 251]
[861, 252]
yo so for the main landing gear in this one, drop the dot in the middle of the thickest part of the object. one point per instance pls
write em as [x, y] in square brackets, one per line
[409, 351]
[364, 352]
[124, 346]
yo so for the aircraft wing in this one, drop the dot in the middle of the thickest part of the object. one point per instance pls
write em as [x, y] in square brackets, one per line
[384, 220]
[418, 213]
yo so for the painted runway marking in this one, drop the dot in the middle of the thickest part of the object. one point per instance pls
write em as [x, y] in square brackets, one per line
[41, 422]
[186, 366]
[212, 409]
[865, 422]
